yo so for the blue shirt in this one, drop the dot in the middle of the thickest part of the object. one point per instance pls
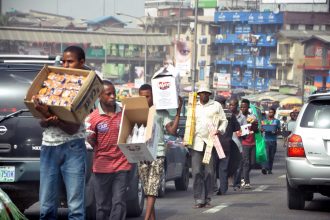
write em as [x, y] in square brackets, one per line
[270, 136]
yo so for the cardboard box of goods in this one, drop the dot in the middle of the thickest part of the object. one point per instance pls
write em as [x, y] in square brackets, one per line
[165, 89]
[269, 128]
[136, 111]
[79, 104]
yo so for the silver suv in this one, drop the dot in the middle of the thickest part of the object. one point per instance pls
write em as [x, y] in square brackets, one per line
[308, 153]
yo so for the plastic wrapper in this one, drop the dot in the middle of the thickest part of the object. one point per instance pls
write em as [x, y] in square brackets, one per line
[135, 133]
[129, 139]
[141, 131]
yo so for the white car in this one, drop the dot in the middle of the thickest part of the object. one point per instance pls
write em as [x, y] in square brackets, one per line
[308, 153]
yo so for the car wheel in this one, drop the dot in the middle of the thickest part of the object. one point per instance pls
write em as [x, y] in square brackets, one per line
[309, 196]
[162, 185]
[183, 182]
[295, 198]
[135, 206]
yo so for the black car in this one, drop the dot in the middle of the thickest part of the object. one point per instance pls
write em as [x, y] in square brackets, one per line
[20, 141]
[176, 167]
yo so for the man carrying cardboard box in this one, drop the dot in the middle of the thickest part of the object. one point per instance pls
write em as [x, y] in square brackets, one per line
[63, 153]
[150, 172]
[110, 166]
[206, 111]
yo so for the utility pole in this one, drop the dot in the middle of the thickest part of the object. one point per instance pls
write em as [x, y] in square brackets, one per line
[303, 84]
[194, 70]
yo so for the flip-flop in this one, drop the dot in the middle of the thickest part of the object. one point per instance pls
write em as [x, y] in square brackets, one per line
[198, 206]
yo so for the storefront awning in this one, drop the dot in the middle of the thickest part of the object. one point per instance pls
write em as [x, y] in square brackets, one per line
[94, 38]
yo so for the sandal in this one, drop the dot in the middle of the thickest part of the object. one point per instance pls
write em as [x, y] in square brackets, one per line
[198, 206]
[208, 205]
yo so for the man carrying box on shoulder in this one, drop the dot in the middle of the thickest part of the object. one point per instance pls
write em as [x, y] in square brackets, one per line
[150, 172]
[110, 166]
[63, 153]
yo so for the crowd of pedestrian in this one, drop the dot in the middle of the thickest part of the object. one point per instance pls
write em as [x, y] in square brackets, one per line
[63, 151]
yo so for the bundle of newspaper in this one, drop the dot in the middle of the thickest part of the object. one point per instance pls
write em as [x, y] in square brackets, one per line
[190, 122]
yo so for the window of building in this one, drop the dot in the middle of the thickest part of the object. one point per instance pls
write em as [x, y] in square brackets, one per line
[162, 29]
[284, 50]
[294, 27]
[327, 27]
[309, 27]
[203, 29]
[203, 50]
[169, 31]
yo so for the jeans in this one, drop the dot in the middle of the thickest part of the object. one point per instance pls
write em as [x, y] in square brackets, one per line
[223, 173]
[249, 155]
[69, 161]
[202, 177]
[110, 191]
[271, 147]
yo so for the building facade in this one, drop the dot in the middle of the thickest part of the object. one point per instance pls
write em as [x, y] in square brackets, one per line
[243, 46]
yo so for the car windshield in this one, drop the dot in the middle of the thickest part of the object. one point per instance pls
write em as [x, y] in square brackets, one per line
[12, 99]
[317, 115]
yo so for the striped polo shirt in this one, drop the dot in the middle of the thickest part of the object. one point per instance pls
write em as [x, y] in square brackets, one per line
[104, 129]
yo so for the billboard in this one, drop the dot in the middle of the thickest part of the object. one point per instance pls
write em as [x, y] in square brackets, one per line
[221, 80]
[183, 50]
[205, 4]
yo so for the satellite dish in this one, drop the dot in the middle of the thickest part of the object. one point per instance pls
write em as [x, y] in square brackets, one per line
[276, 10]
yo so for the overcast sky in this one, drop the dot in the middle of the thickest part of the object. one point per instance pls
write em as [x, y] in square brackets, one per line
[87, 9]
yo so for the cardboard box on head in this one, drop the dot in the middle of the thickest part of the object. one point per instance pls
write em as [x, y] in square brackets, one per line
[165, 88]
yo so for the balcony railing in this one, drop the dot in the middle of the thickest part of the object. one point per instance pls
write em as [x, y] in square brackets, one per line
[315, 63]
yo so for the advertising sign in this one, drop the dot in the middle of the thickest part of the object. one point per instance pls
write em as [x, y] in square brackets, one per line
[205, 4]
[221, 80]
[183, 55]
[138, 76]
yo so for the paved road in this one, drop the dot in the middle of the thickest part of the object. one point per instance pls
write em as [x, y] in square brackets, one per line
[266, 200]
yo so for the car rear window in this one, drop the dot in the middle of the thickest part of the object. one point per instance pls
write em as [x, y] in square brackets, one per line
[14, 84]
[317, 115]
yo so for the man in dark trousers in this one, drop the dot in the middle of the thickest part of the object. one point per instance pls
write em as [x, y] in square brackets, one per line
[227, 143]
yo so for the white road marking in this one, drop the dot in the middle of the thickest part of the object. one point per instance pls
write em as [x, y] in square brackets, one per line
[282, 177]
[260, 188]
[216, 208]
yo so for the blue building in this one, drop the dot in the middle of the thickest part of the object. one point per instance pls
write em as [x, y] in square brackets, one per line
[243, 46]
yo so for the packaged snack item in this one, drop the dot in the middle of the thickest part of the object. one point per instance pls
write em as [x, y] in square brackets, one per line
[48, 83]
[54, 100]
[65, 102]
[43, 91]
[58, 91]
[59, 78]
[51, 75]
[66, 93]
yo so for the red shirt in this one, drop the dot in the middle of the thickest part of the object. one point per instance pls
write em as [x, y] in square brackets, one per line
[108, 158]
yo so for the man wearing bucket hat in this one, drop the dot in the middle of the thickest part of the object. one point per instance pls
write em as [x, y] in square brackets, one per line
[206, 112]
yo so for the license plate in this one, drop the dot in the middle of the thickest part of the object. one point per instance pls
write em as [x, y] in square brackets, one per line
[7, 174]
